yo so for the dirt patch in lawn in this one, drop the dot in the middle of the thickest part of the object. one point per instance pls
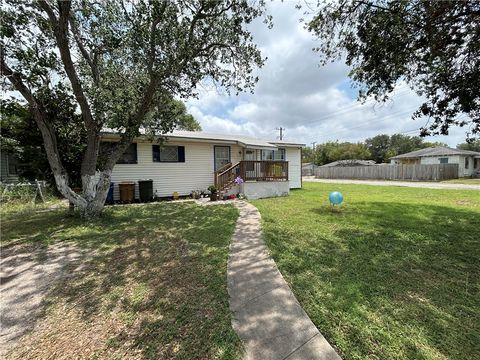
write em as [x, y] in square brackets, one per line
[27, 273]
[155, 287]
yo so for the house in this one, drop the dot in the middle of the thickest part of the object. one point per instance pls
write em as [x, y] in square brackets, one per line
[308, 169]
[188, 161]
[8, 168]
[468, 161]
[352, 162]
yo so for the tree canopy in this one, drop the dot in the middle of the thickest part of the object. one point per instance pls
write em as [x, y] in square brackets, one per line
[434, 46]
[379, 148]
[21, 136]
[124, 63]
[333, 151]
[472, 146]
[383, 147]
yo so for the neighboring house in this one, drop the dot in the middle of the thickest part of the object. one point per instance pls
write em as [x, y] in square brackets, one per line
[8, 168]
[352, 162]
[189, 161]
[468, 161]
[308, 169]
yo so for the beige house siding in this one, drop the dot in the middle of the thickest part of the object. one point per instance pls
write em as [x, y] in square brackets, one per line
[196, 173]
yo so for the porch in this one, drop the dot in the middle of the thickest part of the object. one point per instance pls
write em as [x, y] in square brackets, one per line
[261, 178]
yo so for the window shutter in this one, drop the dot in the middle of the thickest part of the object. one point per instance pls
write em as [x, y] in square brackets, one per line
[181, 154]
[135, 153]
[156, 153]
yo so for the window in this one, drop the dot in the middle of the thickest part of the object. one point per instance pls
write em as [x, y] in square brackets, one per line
[129, 156]
[476, 163]
[466, 162]
[221, 156]
[280, 154]
[273, 154]
[250, 155]
[443, 160]
[168, 153]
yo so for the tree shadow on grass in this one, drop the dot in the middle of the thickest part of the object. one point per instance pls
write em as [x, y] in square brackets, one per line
[388, 279]
[156, 287]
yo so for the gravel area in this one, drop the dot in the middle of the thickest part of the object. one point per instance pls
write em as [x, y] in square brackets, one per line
[27, 274]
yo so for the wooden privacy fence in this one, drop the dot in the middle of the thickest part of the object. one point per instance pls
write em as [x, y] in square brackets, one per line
[435, 172]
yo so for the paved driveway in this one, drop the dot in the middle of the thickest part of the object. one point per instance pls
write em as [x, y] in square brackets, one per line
[415, 184]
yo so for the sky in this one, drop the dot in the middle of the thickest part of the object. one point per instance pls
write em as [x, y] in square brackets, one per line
[313, 103]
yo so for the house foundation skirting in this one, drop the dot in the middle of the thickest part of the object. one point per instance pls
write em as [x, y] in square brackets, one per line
[264, 189]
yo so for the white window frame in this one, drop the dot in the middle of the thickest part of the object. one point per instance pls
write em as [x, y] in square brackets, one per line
[277, 155]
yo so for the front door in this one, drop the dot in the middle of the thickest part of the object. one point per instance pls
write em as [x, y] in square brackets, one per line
[250, 165]
[221, 156]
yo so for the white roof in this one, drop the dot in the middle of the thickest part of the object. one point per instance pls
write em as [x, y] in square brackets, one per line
[242, 140]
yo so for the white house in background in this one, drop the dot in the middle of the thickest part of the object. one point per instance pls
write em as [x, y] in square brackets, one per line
[188, 161]
[468, 161]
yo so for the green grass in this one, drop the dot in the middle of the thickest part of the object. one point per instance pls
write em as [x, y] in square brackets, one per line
[154, 285]
[394, 274]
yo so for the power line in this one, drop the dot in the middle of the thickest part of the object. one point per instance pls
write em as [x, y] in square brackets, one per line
[369, 121]
[352, 107]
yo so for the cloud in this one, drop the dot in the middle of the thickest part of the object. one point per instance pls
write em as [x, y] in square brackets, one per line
[313, 103]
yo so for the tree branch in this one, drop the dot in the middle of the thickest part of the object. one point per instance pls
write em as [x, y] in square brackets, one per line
[46, 129]
[60, 29]
[153, 26]
[86, 55]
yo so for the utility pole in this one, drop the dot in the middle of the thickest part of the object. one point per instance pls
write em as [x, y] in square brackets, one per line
[313, 145]
[281, 132]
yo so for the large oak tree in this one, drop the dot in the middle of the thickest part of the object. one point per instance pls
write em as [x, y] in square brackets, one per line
[124, 62]
[432, 45]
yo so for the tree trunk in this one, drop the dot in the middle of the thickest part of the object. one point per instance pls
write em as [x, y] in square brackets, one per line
[92, 200]
[95, 190]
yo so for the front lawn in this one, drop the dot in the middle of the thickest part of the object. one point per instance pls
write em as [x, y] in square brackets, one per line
[394, 274]
[154, 285]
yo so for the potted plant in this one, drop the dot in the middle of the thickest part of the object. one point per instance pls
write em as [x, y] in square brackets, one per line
[213, 192]
[196, 194]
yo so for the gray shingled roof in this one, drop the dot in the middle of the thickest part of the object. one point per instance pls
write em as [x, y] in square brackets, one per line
[436, 151]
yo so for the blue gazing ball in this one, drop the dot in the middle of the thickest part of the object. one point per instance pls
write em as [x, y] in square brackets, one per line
[335, 198]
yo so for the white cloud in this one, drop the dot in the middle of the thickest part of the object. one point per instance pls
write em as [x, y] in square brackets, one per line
[311, 102]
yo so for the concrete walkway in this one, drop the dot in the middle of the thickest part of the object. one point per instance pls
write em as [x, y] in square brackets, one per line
[414, 184]
[266, 314]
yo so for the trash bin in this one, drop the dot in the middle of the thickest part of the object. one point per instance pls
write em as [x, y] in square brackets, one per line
[145, 189]
[109, 199]
[127, 191]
